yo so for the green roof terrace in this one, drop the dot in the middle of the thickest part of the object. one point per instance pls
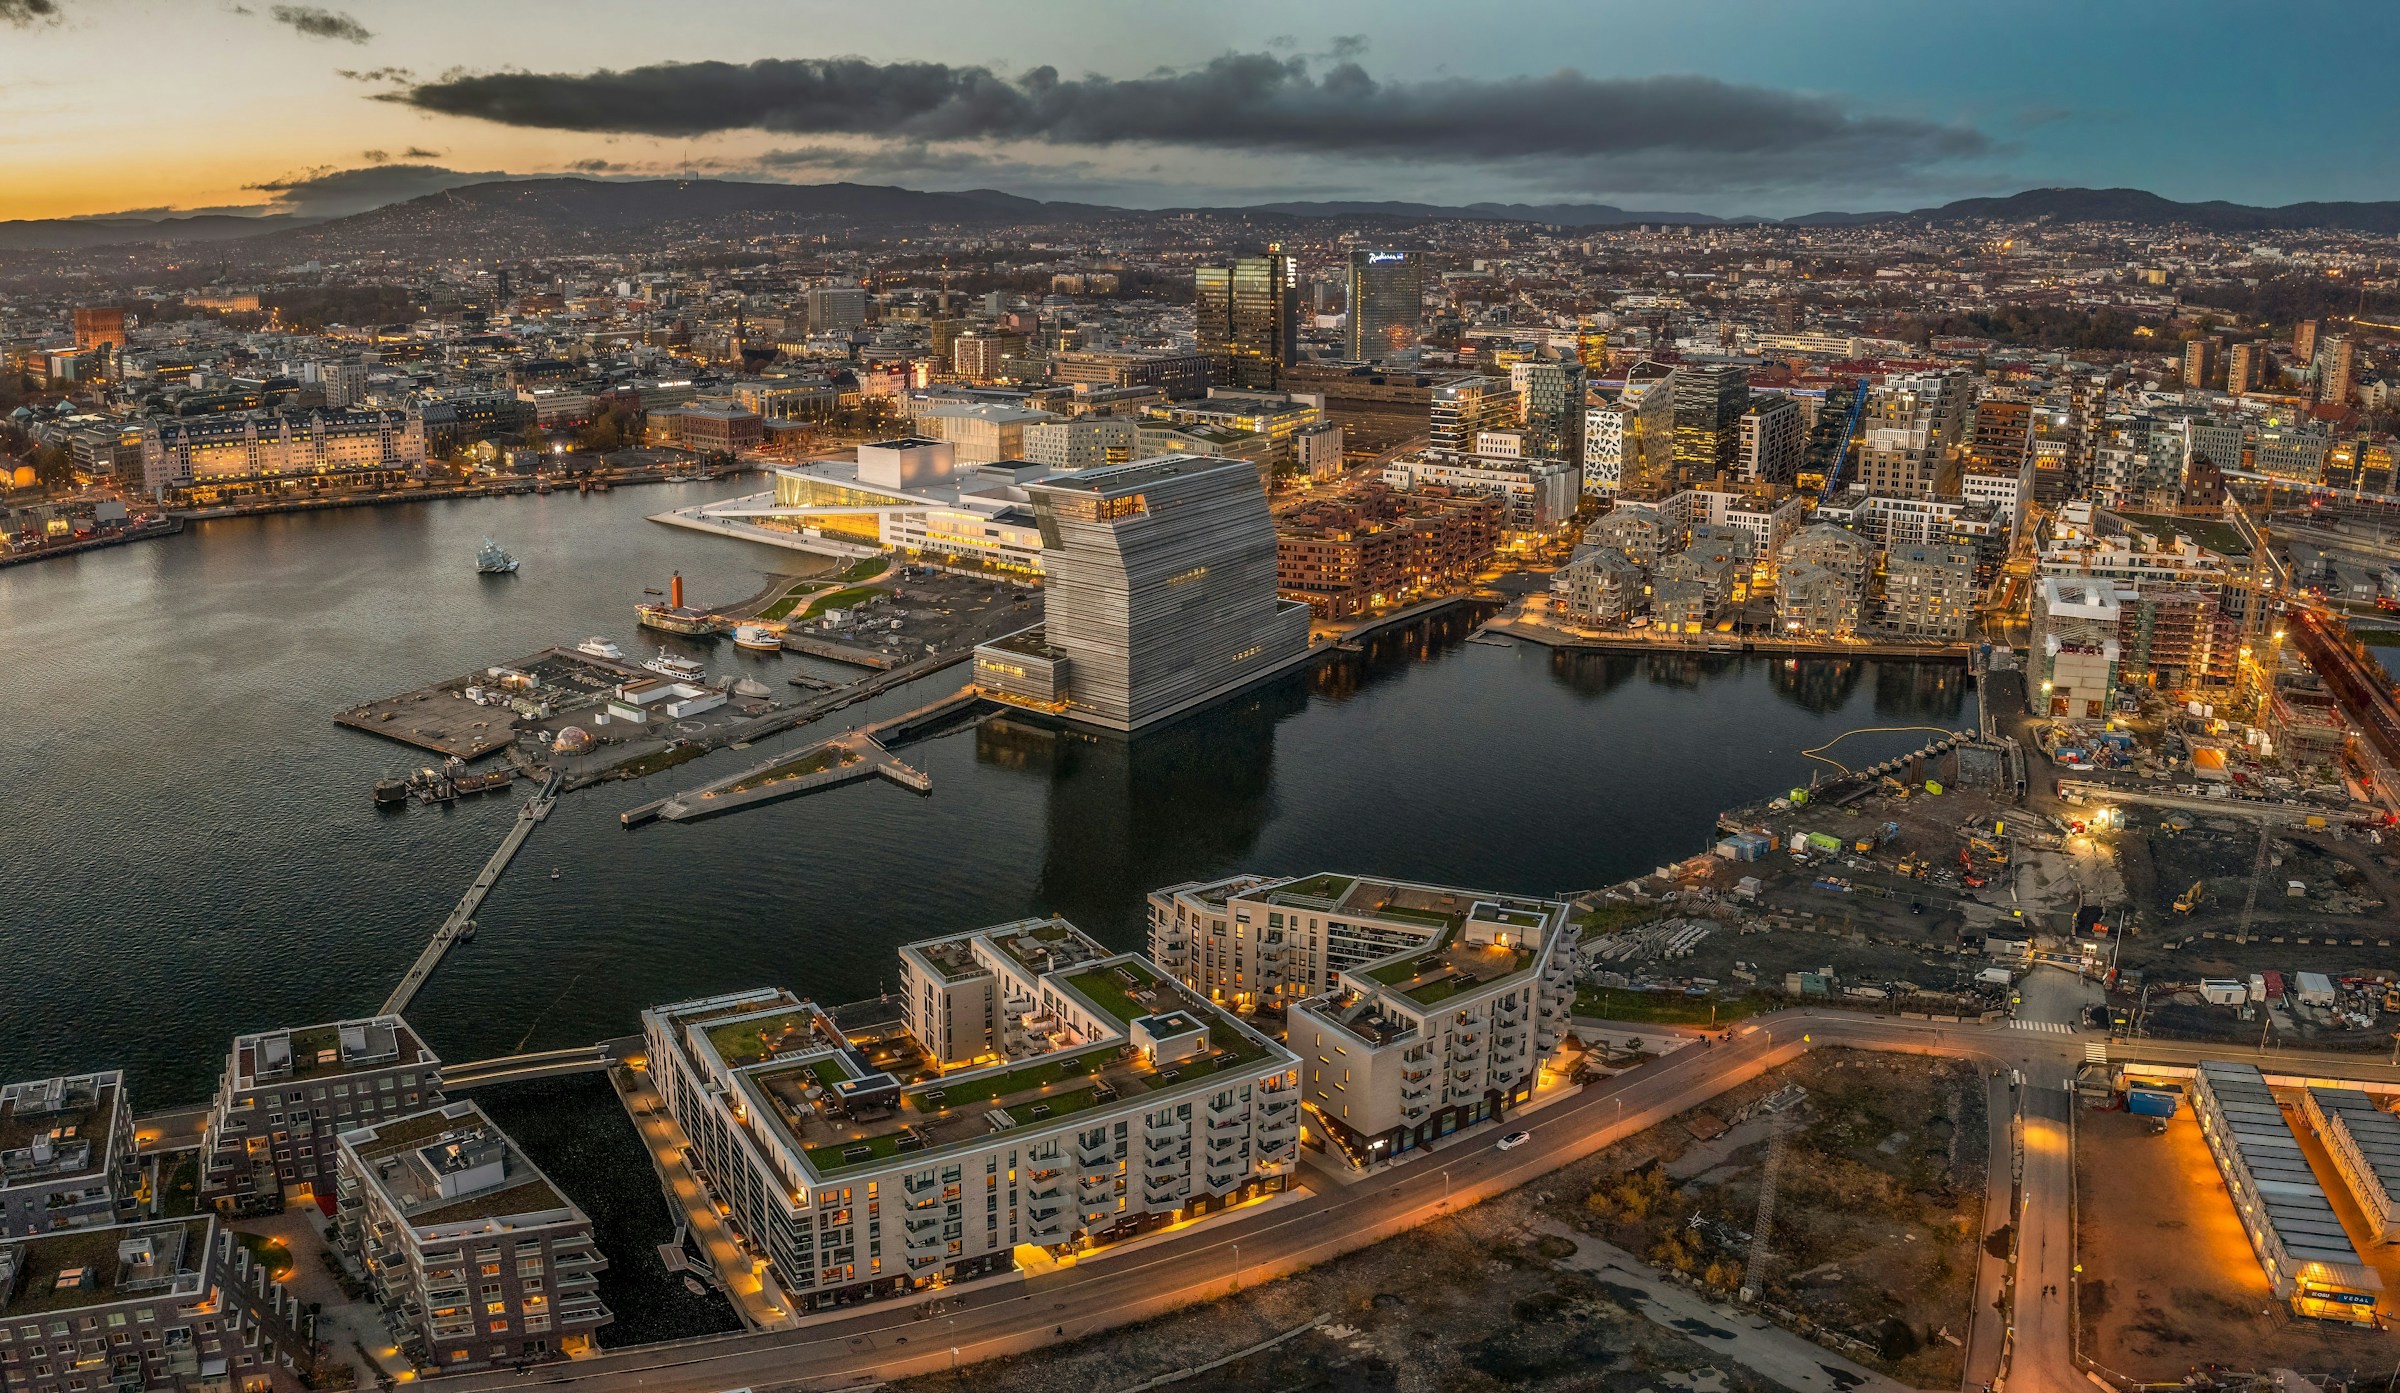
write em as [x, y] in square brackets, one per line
[96, 1268]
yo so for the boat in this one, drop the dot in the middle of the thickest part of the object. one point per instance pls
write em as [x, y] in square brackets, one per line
[492, 561]
[466, 932]
[486, 781]
[599, 647]
[390, 791]
[681, 669]
[676, 479]
[541, 486]
[675, 617]
[555, 872]
[599, 485]
[758, 638]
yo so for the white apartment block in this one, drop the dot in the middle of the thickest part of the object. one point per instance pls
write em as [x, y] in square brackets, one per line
[1030, 1089]
[1540, 495]
[1773, 434]
[1084, 443]
[1447, 1032]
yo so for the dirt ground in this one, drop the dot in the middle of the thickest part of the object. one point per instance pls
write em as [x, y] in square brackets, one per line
[1877, 1210]
[1463, 1305]
[2170, 1282]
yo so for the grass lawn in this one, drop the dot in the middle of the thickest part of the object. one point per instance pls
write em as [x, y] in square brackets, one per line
[269, 1253]
[1664, 1008]
[1615, 915]
[1107, 990]
[182, 1199]
[865, 568]
[657, 760]
[816, 762]
[791, 600]
[965, 1092]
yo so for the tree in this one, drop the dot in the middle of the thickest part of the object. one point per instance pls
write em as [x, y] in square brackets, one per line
[54, 467]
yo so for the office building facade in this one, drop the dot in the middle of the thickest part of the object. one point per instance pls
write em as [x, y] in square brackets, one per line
[1387, 304]
[1709, 401]
[1246, 316]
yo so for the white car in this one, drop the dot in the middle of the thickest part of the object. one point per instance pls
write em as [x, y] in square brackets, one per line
[1514, 1140]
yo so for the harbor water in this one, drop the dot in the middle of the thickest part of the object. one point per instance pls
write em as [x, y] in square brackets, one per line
[193, 850]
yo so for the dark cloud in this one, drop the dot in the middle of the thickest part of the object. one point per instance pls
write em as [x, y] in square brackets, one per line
[1239, 101]
[376, 156]
[1347, 46]
[419, 152]
[598, 167]
[319, 23]
[332, 193]
[24, 12]
[375, 74]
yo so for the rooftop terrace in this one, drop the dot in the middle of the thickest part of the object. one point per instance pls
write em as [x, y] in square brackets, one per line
[72, 1118]
[454, 1165]
[99, 1265]
[838, 1129]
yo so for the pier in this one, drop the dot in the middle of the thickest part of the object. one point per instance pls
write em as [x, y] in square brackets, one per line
[530, 816]
[842, 759]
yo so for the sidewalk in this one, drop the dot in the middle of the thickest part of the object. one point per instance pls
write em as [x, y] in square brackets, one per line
[761, 1304]
[344, 1326]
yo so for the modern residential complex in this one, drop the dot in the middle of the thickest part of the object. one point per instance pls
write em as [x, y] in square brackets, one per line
[473, 1255]
[66, 1145]
[1029, 1089]
[1414, 1009]
[156, 1306]
[286, 1095]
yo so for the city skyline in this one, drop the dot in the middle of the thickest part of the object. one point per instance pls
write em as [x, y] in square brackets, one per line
[1730, 109]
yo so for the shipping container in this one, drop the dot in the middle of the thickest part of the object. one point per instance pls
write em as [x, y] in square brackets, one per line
[2150, 1102]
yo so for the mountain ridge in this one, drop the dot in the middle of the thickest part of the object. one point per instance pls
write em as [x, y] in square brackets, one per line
[568, 210]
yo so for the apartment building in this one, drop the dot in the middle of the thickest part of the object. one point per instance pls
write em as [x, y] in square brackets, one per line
[1374, 546]
[1084, 443]
[1909, 433]
[2075, 648]
[1446, 1033]
[1816, 600]
[1539, 495]
[1773, 434]
[1837, 549]
[66, 1153]
[286, 1095]
[1929, 592]
[212, 455]
[1602, 588]
[176, 1306]
[476, 1258]
[1030, 1089]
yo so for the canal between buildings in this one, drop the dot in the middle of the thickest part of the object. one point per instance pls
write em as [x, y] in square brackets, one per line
[192, 851]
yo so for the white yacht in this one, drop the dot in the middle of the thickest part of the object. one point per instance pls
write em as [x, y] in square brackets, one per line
[599, 648]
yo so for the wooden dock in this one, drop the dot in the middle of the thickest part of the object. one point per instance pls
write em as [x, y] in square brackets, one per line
[530, 816]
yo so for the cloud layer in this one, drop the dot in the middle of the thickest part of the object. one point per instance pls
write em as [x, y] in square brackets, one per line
[1679, 127]
[27, 11]
[322, 23]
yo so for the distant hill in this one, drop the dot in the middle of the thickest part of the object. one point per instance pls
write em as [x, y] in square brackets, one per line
[2145, 209]
[75, 234]
[519, 216]
[1560, 214]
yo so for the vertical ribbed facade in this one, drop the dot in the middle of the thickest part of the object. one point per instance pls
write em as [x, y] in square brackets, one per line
[1159, 585]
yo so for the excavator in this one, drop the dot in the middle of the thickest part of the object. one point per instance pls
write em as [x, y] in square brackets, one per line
[1967, 871]
[2190, 899]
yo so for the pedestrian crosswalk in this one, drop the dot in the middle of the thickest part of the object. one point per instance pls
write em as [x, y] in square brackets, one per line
[2046, 1027]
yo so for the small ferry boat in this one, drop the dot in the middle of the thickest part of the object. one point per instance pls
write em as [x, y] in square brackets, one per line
[599, 648]
[680, 669]
[758, 638]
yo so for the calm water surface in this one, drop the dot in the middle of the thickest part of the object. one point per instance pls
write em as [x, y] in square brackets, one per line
[190, 849]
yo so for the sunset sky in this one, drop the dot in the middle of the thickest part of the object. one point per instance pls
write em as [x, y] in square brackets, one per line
[1728, 107]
